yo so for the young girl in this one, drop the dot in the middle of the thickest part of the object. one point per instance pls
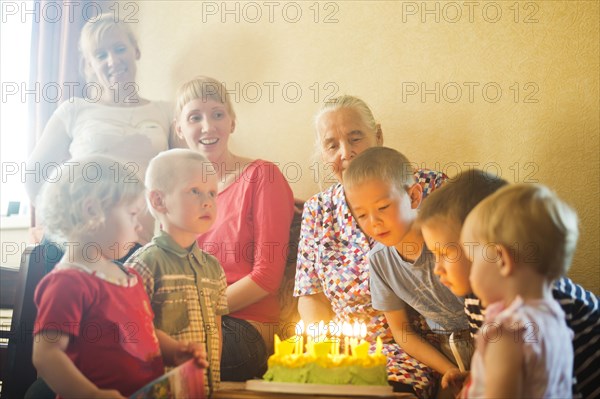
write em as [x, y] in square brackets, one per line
[519, 240]
[93, 335]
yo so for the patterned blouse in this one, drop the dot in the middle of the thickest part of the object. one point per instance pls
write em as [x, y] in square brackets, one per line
[332, 259]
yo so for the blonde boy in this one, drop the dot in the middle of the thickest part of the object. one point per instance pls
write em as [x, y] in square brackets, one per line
[186, 286]
[383, 195]
[441, 219]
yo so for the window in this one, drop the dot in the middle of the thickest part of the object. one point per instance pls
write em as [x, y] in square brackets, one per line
[15, 39]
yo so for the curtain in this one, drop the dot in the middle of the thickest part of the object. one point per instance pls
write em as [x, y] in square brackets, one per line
[54, 60]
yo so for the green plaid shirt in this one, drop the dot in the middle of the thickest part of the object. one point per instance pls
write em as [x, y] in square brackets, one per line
[187, 292]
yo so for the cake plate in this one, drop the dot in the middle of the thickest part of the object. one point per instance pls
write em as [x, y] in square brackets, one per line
[319, 389]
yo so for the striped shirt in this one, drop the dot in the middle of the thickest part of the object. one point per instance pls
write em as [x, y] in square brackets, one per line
[187, 293]
[582, 312]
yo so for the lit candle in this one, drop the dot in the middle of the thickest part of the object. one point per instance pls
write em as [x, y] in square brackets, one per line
[299, 337]
[312, 330]
[347, 331]
[321, 332]
[336, 331]
[356, 330]
[355, 336]
[309, 344]
[363, 331]
[378, 346]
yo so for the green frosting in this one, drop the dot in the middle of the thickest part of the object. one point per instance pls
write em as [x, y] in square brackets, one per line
[312, 373]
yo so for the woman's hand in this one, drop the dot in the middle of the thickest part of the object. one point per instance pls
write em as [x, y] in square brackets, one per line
[314, 308]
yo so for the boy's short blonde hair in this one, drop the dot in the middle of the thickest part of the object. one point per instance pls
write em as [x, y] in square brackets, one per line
[531, 221]
[77, 199]
[380, 163]
[455, 199]
[165, 168]
[204, 88]
[92, 32]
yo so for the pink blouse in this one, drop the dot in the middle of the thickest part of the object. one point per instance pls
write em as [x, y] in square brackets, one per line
[251, 234]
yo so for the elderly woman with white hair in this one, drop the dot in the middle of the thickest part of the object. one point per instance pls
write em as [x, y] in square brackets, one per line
[332, 274]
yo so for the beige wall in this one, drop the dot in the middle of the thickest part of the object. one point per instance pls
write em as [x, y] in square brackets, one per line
[543, 55]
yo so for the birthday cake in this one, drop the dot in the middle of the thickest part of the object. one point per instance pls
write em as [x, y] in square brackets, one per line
[328, 369]
[323, 363]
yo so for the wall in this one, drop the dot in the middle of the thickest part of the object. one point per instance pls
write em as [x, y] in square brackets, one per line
[511, 87]
[14, 237]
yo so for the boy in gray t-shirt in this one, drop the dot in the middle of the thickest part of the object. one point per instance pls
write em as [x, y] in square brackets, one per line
[396, 283]
[384, 196]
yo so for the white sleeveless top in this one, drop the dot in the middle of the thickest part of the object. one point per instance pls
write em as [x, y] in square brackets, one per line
[129, 134]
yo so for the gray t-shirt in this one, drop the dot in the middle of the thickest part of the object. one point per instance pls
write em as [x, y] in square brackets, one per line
[396, 283]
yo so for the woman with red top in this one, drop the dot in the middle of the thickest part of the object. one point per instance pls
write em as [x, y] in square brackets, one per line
[251, 233]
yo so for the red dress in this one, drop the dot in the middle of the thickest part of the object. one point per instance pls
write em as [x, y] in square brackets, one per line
[112, 339]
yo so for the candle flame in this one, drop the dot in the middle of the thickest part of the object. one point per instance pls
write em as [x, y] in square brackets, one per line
[356, 329]
[335, 329]
[363, 330]
[347, 329]
[322, 328]
[300, 328]
[312, 329]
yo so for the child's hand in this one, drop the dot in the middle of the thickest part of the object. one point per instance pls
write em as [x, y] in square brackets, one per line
[188, 350]
[454, 378]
